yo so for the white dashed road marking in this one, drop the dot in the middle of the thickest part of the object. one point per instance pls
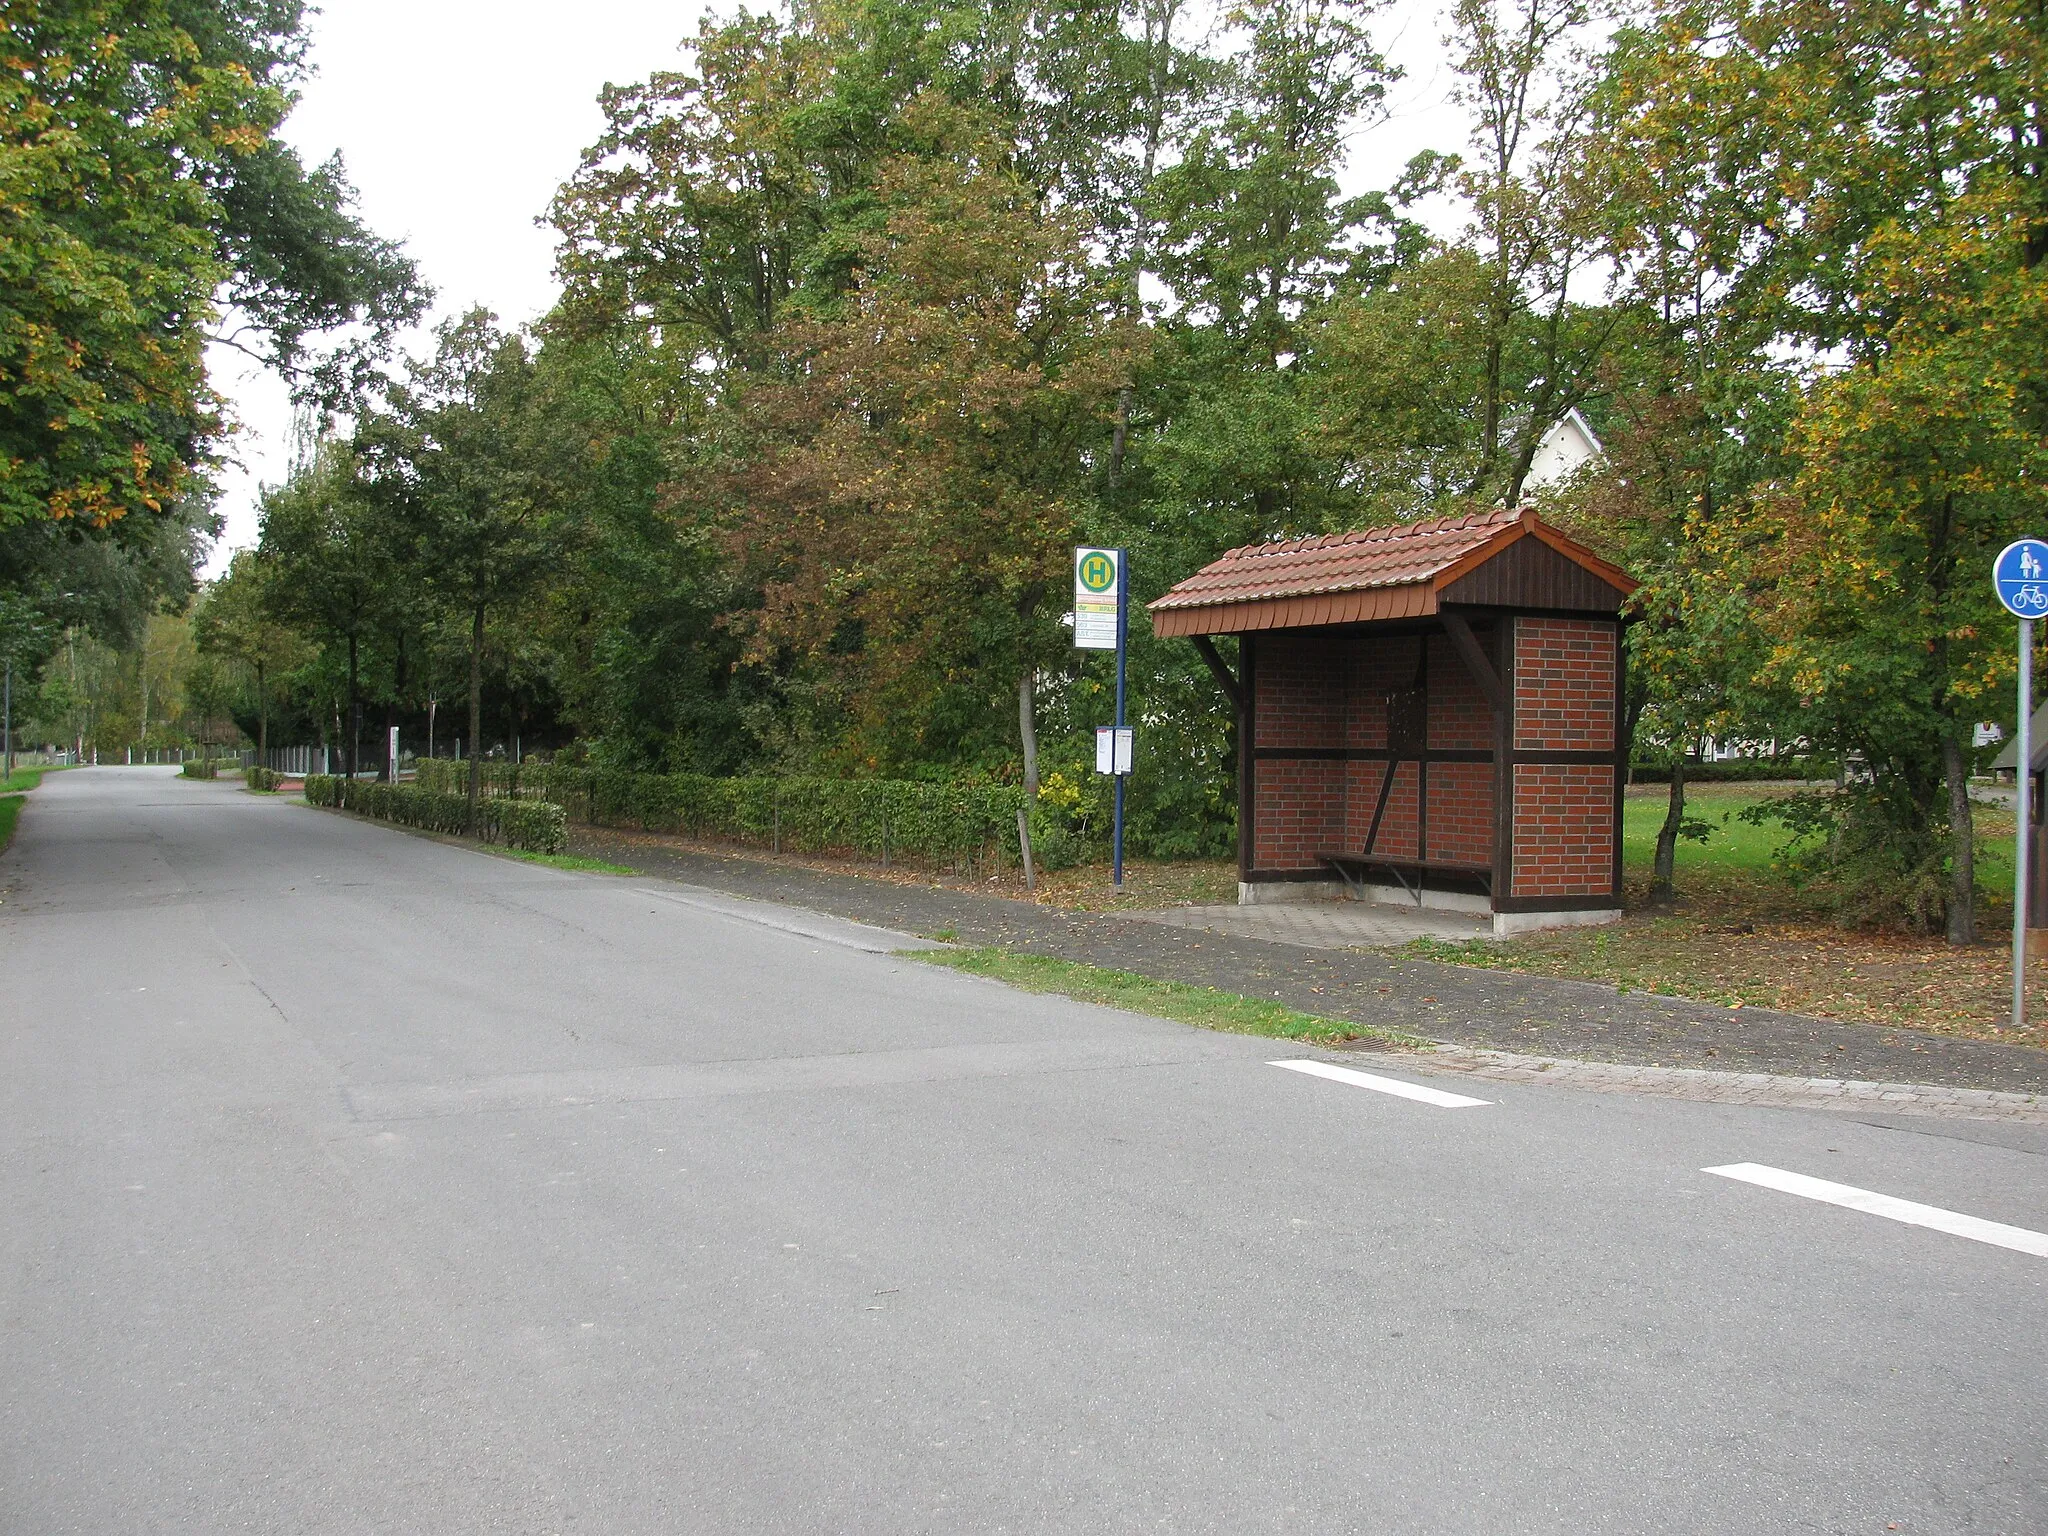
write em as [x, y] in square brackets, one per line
[1393, 1085]
[2019, 1239]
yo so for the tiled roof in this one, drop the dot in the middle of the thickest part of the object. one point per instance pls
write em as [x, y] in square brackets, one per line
[1402, 555]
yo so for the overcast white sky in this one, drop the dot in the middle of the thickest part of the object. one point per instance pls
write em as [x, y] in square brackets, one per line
[458, 119]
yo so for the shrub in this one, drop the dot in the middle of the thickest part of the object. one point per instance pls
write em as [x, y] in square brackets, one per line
[534, 825]
[885, 818]
[261, 778]
[197, 768]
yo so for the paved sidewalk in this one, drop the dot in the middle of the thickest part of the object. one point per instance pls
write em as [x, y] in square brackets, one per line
[1325, 924]
[1484, 1010]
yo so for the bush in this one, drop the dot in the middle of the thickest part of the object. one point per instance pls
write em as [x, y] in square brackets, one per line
[261, 778]
[534, 825]
[886, 818]
[1738, 770]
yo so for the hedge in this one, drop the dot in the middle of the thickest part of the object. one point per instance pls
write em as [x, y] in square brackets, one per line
[208, 768]
[885, 818]
[535, 825]
[1738, 770]
[259, 777]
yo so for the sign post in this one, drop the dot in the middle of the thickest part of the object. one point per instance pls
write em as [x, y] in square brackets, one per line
[391, 756]
[2021, 578]
[1102, 622]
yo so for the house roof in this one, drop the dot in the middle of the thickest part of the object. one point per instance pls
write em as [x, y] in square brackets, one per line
[1394, 572]
[2037, 743]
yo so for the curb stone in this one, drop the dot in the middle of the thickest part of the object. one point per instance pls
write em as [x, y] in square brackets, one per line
[1753, 1088]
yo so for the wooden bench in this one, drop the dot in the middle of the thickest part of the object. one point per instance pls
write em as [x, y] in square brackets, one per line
[1401, 869]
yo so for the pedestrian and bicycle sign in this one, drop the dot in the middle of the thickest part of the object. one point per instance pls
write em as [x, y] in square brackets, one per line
[2021, 576]
[1098, 588]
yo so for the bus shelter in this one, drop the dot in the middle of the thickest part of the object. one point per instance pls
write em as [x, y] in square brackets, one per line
[1428, 713]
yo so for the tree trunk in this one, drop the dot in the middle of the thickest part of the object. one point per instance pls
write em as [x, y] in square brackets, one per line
[1962, 831]
[476, 711]
[355, 714]
[1661, 888]
[262, 720]
[1027, 731]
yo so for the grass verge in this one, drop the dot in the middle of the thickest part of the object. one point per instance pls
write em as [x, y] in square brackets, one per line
[555, 860]
[1204, 1007]
[10, 812]
[23, 779]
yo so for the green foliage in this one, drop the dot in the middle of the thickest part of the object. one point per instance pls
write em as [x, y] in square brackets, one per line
[534, 825]
[145, 185]
[264, 780]
[208, 767]
[884, 818]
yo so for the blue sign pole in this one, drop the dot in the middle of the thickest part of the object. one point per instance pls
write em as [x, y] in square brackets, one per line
[1123, 635]
[2020, 577]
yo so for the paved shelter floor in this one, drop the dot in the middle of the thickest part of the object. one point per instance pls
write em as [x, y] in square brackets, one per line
[1327, 924]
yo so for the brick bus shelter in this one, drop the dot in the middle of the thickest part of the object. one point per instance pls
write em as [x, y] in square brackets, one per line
[1427, 714]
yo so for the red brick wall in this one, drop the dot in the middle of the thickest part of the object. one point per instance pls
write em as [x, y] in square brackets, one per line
[1461, 811]
[1459, 715]
[1301, 693]
[1397, 826]
[1327, 691]
[1299, 810]
[1564, 829]
[1375, 668]
[1564, 685]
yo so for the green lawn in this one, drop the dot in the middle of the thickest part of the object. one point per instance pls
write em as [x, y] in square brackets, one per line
[25, 778]
[13, 794]
[1736, 848]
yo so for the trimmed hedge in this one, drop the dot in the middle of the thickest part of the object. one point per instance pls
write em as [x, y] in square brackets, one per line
[259, 777]
[885, 818]
[208, 768]
[1739, 770]
[534, 825]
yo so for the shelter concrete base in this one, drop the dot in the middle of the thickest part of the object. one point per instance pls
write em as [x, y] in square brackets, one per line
[1507, 924]
[1265, 893]
[1268, 892]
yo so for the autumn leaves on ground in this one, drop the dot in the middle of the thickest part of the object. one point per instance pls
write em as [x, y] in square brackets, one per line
[1752, 927]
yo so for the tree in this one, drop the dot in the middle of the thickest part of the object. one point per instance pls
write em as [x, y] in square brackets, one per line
[330, 554]
[1868, 181]
[917, 483]
[451, 460]
[235, 620]
[147, 194]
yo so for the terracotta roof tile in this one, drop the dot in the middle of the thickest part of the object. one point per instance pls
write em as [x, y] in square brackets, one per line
[1401, 555]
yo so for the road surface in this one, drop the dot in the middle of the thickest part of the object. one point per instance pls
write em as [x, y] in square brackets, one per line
[357, 1182]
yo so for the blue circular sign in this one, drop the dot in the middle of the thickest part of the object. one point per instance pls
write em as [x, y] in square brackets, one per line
[2021, 575]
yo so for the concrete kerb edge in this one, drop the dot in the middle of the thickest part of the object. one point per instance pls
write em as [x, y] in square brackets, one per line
[1754, 1088]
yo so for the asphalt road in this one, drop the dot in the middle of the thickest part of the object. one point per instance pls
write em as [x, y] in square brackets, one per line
[355, 1182]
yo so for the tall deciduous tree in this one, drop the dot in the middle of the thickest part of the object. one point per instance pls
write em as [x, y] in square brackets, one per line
[331, 555]
[1876, 195]
[146, 197]
[236, 620]
[917, 482]
[451, 461]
